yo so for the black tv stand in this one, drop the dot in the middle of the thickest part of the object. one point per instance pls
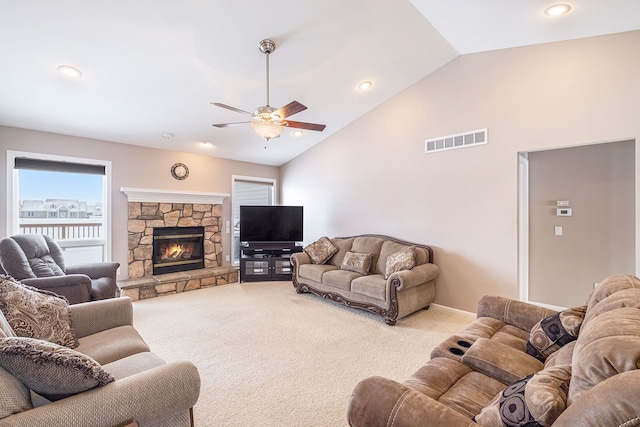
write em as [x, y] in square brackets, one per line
[266, 261]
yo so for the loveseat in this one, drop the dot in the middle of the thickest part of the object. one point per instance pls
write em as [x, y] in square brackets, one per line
[380, 274]
[519, 364]
[90, 367]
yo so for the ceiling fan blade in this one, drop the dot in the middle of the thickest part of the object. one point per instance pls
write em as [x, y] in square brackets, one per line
[228, 107]
[290, 109]
[303, 125]
[226, 125]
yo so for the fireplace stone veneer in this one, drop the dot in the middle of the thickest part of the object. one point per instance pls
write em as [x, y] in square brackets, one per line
[145, 216]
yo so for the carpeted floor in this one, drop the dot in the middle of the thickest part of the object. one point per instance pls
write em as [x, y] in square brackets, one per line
[268, 356]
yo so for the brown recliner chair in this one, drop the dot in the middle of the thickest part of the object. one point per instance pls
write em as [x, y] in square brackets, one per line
[37, 261]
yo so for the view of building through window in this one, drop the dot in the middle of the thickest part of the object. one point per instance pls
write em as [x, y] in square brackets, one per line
[65, 206]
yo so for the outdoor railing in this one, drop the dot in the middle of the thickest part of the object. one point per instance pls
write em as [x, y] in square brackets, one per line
[65, 231]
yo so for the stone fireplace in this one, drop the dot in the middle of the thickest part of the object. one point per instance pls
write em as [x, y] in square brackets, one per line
[191, 226]
[144, 217]
[177, 249]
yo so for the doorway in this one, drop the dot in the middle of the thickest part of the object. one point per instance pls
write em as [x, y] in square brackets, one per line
[577, 220]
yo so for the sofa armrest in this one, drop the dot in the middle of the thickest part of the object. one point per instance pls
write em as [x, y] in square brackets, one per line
[516, 313]
[301, 258]
[416, 276]
[95, 270]
[59, 281]
[96, 316]
[499, 361]
[382, 402]
[146, 397]
[75, 287]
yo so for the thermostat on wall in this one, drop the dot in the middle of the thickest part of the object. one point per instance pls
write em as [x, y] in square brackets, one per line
[563, 212]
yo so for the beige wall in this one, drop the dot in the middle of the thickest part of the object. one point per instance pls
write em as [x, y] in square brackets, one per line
[373, 176]
[132, 166]
[599, 183]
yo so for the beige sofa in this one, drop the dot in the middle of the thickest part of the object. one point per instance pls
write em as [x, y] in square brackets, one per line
[520, 364]
[146, 390]
[401, 293]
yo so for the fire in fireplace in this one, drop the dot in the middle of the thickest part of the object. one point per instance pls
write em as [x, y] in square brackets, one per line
[177, 249]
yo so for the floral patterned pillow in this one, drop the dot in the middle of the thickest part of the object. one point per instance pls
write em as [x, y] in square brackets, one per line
[321, 250]
[356, 262]
[35, 313]
[401, 260]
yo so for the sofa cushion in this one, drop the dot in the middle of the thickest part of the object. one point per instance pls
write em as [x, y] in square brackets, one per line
[611, 285]
[370, 245]
[133, 364]
[14, 396]
[344, 246]
[373, 285]
[321, 250]
[404, 259]
[608, 345]
[112, 344]
[35, 313]
[315, 271]
[356, 262]
[51, 370]
[554, 331]
[536, 400]
[340, 279]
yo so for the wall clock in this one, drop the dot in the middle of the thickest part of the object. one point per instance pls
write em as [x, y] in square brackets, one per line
[179, 171]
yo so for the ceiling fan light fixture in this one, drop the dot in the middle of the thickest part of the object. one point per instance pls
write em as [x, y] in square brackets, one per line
[268, 130]
[557, 9]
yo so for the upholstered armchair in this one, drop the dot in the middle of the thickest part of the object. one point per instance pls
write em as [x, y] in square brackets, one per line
[37, 261]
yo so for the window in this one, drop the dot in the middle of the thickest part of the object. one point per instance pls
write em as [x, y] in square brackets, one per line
[248, 191]
[61, 197]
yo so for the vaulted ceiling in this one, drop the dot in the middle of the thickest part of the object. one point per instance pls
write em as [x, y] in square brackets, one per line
[152, 67]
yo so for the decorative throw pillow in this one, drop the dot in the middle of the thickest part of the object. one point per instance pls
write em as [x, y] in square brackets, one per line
[552, 332]
[534, 401]
[321, 250]
[51, 370]
[35, 313]
[356, 262]
[401, 260]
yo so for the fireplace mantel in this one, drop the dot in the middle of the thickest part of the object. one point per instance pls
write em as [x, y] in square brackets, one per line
[172, 196]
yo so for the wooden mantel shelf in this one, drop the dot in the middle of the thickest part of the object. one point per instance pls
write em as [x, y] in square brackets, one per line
[172, 196]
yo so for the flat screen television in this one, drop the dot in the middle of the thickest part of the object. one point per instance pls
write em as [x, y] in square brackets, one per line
[271, 224]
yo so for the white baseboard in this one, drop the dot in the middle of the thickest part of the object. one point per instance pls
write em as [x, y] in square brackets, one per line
[455, 310]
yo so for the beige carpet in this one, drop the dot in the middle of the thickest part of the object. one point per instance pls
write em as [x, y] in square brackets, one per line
[271, 357]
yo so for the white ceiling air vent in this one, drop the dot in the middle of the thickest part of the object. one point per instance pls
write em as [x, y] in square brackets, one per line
[458, 140]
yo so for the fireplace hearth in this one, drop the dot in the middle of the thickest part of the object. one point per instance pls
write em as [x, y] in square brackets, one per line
[177, 249]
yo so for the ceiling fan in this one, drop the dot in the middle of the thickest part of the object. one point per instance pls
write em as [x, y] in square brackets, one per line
[269, 121]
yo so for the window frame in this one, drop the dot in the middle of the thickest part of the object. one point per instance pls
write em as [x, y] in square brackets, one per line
[274, 201]
[13, 196]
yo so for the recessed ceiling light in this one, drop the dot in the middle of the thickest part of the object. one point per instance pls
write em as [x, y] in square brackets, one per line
[167, 135]
[365, 85]
[557, 9]
[69, 71]
[207, 144]
[297, 133]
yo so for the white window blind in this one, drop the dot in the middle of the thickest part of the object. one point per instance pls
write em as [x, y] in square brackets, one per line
[248, 193]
